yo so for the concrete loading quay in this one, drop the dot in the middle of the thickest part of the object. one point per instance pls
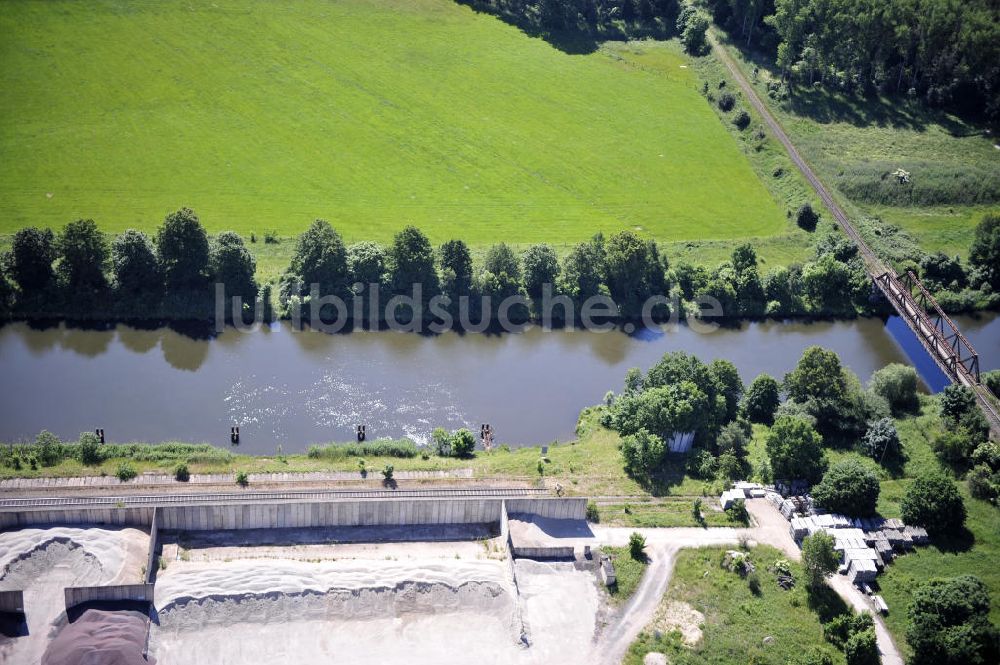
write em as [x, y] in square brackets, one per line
[292, 560]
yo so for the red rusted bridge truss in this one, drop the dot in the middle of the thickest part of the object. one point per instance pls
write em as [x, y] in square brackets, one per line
[938, 334]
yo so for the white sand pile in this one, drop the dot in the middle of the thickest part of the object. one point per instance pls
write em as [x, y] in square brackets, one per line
[432, 611]
[100, 638]
[43, 562]
[103, 552]
[248, 591]
[182, 584]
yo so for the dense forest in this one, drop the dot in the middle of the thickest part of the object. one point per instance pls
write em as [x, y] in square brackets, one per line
[945, 52]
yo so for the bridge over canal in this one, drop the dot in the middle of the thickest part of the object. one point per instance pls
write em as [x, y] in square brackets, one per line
[937, 333]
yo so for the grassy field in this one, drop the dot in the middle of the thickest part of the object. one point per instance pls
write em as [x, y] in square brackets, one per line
[653, 513]
[589, 466]
[736, 621]
[628, 574]
[370, 113]
[848, 140]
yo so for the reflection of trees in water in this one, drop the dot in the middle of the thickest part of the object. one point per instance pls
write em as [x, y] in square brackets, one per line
[138, 339]
[88, 340]
[185, 346]
[40, 336]
[90, 343]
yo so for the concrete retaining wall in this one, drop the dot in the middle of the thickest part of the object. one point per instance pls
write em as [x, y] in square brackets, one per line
[504, 522]
[544, 552]
[12, 601]
[386, 512]
[152, 562]
[348, 512]
[115, 516]
[85, 594]
[561, 509]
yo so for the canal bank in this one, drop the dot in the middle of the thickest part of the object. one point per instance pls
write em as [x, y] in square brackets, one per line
[292, 389]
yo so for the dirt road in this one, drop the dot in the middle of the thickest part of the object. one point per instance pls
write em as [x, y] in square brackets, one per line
[663, 544]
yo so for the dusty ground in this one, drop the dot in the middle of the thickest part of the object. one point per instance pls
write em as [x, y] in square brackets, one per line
[683, 618]
[328, 544]
[42, 562]
[416, 602]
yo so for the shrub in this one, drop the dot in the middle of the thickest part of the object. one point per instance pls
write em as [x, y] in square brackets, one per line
[881, 440]
[988, 454]
[950, 625]
[984, 252]
[761, 399]
[819, 559]
[992, 381]
[933, 502]
[956, 401]
[462, 443]
[731, 467]
[696, 512]
[642, 453]
[817, 656]
[693, 32]
[806, 217]
[840, 628]
[737, 512]
[898, 385]
[593, 515]
[794, 449]
[242, 479]
[637, 546]
[402, 448]
[49, 448]
[849, 488]
[707, 464]
[442, 441]
[983, 483]
[181, 473]
[90, 449]
[727, 101]
[862, 649]
[387, 472]
[953, 446]
[753, 583]
[741, 119]
[125, 471]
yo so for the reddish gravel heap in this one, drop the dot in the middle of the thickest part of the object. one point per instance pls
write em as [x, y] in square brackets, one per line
[100, 638]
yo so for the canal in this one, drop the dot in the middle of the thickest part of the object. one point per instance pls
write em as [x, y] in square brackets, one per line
[298, 388]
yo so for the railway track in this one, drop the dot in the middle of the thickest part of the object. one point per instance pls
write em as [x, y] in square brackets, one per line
[877, 269]
[140, 501]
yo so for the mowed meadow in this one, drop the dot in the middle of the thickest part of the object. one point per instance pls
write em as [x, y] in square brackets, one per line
[372, 114]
